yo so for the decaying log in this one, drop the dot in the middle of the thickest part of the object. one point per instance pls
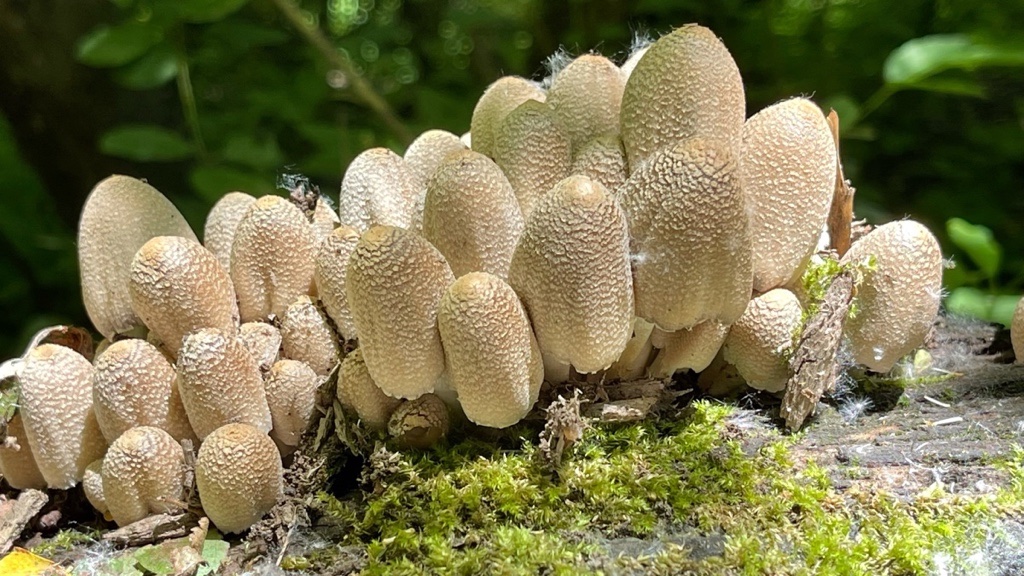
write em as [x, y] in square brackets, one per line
[154, 529]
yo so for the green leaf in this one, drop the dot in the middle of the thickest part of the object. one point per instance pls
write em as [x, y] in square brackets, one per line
[251, 151]
[207, 10]
[109, 46]
[977, 242]
[214, 552]
[923, 57]
[145, 143]
[153, 70]
[979, 304]
[212, 182]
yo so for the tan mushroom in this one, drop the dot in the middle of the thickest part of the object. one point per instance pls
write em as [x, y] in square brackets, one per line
[177, 286]
[239, 476]
[533, 151]
[330, 273]
[788, 170]
[143, 474]
[501, 97]
[633, 361]
[420, 423]
[92, 485]
[429, 149]
[357, 391]
[395, 281]
[586, 97]
[221, 223]
[263, 341]
[898, 299]
[760, 342]
[272, 258]
[119, 216]
[686, 85]
[307, 336]
[17, 465]
[379, 188]
[471, 214]
[687, 348]
[572, 271]
[323, 220]
[690, 236]
[291, 394]
[133, 385]
[220, 383]
[493, 359]
[603, 160]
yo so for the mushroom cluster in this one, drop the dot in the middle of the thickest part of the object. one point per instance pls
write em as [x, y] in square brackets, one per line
[619, 221]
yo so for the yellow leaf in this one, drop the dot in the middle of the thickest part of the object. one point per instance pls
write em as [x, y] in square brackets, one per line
[21, 562]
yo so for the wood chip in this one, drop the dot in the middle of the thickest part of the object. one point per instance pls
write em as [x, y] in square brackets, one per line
[840, 215]
[16, 514]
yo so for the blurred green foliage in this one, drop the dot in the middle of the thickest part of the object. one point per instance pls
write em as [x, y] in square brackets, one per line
[930, 94]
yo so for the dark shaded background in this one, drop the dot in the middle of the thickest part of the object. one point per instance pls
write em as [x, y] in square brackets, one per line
[201, 97]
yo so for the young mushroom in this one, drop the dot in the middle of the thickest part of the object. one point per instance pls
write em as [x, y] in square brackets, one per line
[379, 188]
[143, 474]
[687, 348]
[307, 336]
[330, 276]
[429, 149]
[239, 476]
[586, 97]
[603, 160]
[357, 391]
[501, 97]
[527, 130]
[420, 423]
[291, 395]
[263, 341]
[760, 342]
[222, 222]
[17, 465]
[92, 486]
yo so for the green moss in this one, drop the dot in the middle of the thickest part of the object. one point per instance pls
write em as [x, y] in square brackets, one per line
[472, 508]
[64, 540]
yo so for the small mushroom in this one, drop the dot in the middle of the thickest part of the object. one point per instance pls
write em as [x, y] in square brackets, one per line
[133, 385]
[177, 286]
[533, 150]
[119, 216]
[687, 348]
[330, 274]
[222, 222]
[760, 342]
[239, 476]
[395, 281]
[429, 149]
[17, 465]
[603, 160]
[143, 474]
[291, 394]
[501, 97]
[379, 188]
[92, 485]
[493, 359]
[420, 423]
[220, 383]
[307, 336]
[263, 341]
[586, 97]
[357, 391]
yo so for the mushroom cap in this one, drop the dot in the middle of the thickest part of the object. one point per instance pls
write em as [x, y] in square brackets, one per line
[691, 236]
[119, 216]
[572, 271]
[239, 476]
[420, 423]
[686, 85]
[760, 342]
[503, 96]
[471, 214]
[56, 408]
[323, 220]
[429, 149]
[17, 464]
[133, 385]
[493, 359]
[1017, 331]
[221, 223]
[603, 160]
[307, 336]
[220, 383]
[586, 97]
[687, 348]
[92, 485]
[330, 273]
[143, 474]
[357, 391]
[291, 394]
[177, 286]
[630, 64]
[526, 131]
[898, 299]
[272, 258]
[788, 170]
[263, 341]
[379, 188]
[395, 281]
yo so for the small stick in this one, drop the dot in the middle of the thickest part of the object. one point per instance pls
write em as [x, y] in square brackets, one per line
[936, 402]
[953, 420]
[840, 215]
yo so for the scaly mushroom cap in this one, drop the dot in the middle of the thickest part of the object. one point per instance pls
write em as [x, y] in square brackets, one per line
[143, 474]
[221, 223]
[133, 385]
[395, 281]
[420, 423]
[271, 258]
[291, 394]
[533, 151]
[56, 409]
[686, 85]
[788, 170]
[17, 465]
[493, 359]
[307, 336]
[471, 214]
[586, 96]
[239, 476]
[630, 64]
[379, 188]
[688, 348]
[428, 150]
[691, 236]
[760, 342]
[358, 392]
[571, 269]
[220, 383]
[603, 160]
[897, 301]
[502, 97]
[177, 286]
[1017, 331]
[330, 273]
[92, 485]
[263, 341]
[119, 216]
[323, 220]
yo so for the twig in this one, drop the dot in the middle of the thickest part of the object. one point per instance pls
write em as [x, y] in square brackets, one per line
[360, 87]
[953, 420]
[188, 102]
[936, 402]
[840, 214]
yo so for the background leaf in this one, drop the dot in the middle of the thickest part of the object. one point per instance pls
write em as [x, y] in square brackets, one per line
[145, 143]
[154, 69]
[970, 301]
[921, 58]
[109, 46]
[199, 11]
[978, 243]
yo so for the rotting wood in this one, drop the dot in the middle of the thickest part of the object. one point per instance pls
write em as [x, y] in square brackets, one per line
[840, 214]
[16, 514]
[153, 529]
[813, 364]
